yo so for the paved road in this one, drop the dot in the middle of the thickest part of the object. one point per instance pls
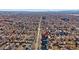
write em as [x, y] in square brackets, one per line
[37, 44]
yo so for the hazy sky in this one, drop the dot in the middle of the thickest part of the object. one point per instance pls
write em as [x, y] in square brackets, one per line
[32, 9]
[39, 4]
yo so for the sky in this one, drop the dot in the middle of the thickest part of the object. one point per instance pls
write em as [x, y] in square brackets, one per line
[39, 4]
[34, 10]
